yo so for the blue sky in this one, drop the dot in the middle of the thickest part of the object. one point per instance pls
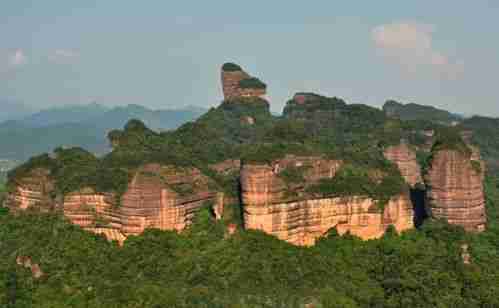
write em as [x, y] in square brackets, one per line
[166, 54]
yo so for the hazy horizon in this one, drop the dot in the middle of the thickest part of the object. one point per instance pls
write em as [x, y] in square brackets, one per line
[163, 55]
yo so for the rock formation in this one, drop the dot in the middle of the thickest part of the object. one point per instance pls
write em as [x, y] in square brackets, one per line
[405, 159]
[237, 83]
[162, 197]
[300, 219]
[26, 262]
[89, 209]
[32, 191]
[455, 188]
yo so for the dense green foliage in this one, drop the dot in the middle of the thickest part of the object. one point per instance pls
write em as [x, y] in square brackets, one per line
[3, 191]
[199, 268]
[216, 136]
[252, 83]
[80, 126]
[323, 126]
[73, 169]
[412, 111]
[231, 67]
[356, 181]
[204, 267]
[449, 139]
[485, 136]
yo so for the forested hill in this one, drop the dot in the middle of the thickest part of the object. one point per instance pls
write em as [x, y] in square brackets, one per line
[83, 126]
[205, 267]
[486, 136]
[216, 260]
[413, 111]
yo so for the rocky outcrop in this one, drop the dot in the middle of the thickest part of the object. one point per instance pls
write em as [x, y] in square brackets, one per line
[32, 191]
[26, 262]
[301, 219]
[162, 197]
[90, 210]
[455, 188]
[227, 166]
[233, 83]
[405, 159]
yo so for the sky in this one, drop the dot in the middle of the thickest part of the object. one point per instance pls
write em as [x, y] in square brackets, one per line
[167, 54]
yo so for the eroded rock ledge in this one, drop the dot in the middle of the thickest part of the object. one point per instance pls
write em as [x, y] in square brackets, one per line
[301, 220]
[162, 197]
[405, 159]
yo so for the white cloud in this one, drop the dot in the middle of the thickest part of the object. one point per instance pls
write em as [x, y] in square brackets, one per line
[63, 56]
[11, 60]
[18, 58]
[410, 45]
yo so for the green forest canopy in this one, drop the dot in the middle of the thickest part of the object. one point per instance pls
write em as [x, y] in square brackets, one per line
[202, 267]
[356, 134]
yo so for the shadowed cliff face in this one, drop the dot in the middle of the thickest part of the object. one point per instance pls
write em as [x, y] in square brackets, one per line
[455, 188]
[287, 212]
[405, 159]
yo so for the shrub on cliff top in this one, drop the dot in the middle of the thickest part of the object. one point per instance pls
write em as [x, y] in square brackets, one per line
[43, 161]
[449, 139]
[268, 152]
[252, 83]
[231, 67]
[353, 180]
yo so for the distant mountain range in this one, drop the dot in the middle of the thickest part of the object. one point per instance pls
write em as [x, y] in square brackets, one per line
[13, 110]
[83, 125]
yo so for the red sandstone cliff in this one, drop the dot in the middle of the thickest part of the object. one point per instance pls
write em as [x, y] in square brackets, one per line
[162, 197]
[300, 219]
[405, 159]
[32, 191]
[231, 80]
[455, 188]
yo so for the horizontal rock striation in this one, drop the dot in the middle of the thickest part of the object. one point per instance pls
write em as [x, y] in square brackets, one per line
[165, 198]
[455, 188]
[231, 85]
[301, 219]
[405, 159]
[91, 210]
[32, 191]
[162, 197]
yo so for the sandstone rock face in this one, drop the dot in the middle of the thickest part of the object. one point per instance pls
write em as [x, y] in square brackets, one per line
[32, 191]
[455, 189]
[231, 85]
[90, 210]
[165, 198]
[405, 159]
[303, 222]
[300, 219]
[162, 197]
[261, 184]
